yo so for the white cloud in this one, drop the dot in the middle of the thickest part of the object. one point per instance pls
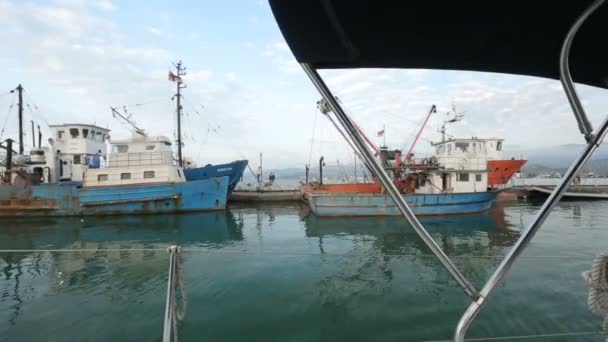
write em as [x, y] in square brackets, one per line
[104, 5]
[68, 50]
[281, 57]
[199, 75]
[154, 30]
[273, 49]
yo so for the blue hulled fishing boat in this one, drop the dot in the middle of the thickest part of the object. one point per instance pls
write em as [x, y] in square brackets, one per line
[362, 204]
[234, 172]
[68, 179]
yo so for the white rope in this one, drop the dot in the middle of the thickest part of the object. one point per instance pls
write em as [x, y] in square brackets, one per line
[597, 280]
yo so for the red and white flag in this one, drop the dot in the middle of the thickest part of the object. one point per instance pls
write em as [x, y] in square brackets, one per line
[381, 133]
[174, 78]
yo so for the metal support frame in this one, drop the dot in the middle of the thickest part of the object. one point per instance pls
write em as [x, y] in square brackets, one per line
[593, 142]
[564, 70]
[385, 180]
[593, 139]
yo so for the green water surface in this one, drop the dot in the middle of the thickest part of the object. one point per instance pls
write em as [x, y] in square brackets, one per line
[275, 273]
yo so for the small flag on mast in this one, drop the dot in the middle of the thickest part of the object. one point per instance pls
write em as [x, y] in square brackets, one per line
[381, 133]
[174, 78]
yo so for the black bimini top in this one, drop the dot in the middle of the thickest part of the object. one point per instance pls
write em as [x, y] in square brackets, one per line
[521, 37]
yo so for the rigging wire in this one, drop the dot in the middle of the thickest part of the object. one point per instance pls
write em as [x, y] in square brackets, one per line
[205, 250]
[312, 140]
[7, 117]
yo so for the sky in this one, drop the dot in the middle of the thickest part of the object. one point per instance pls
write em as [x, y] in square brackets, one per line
[245, 92]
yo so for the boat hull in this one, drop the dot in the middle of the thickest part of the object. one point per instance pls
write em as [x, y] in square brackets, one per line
[234, 171]
[357, 204]
[71, 200]
[501, 171]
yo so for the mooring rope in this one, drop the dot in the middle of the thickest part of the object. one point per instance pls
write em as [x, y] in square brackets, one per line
[597, 280]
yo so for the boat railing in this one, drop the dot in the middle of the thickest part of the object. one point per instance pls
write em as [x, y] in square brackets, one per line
[464, 163]
[141, 159]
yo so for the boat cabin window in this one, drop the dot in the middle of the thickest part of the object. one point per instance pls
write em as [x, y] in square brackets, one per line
[125, 175]
[85, 133]
[121, 148]
[98, 136]
[60, 134]
[463, 147]
[148, 174]
[92, 136]
[167, 143]
[150, 147]
[101, 178]
[76, 159]
[179, 174]
[74, 133]
[478, 178]
[462, 177]
[499, 146]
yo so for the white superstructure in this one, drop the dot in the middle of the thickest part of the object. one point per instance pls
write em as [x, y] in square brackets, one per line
[462, 165]
[73, 149]
[141, 159]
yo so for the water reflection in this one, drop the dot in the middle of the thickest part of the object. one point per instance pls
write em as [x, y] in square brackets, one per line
[380, 250]
[202, 229]
[97, 264]
[475, 234]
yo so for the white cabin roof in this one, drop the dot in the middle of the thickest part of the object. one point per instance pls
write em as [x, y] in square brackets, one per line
[78, 125]
[471, 139]
[139, 139]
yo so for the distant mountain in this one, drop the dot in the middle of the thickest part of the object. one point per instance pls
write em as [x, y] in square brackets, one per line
[541, 161]
[555, 157]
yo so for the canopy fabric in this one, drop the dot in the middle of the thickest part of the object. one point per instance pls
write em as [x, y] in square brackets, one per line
[521, 37]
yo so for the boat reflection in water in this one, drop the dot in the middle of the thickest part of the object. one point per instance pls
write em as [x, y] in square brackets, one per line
[382, 255]
[483, 233]
[94, 262]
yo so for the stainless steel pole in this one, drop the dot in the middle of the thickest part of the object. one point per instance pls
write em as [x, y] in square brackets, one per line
[564, 69]
[169, 306]
[391, 189]
[593, 141]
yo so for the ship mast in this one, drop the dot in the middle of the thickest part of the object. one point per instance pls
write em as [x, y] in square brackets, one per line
[452, 117]
[181, 71]
[19, 90]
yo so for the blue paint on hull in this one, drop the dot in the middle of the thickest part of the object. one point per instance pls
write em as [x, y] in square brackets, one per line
[355, 204]
[71, 200]
[233, 170]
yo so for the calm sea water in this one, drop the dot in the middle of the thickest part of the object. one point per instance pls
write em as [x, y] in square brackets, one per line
[274, 273]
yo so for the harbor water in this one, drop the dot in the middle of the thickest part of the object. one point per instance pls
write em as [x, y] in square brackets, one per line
[276, 273]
